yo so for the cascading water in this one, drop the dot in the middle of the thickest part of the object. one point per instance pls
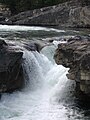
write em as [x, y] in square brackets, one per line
[48, 94]
[39, 100]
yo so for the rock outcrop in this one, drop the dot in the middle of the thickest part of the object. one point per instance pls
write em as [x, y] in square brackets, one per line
[69, 14]
[11, 71]
[75, 54]
[80, 17]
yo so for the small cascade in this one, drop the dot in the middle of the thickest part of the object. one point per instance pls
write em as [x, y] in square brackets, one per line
[35, 101]
[40, 71]
[35, 67]
[48, 92]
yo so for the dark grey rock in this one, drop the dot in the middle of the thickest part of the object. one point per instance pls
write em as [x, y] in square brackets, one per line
[11, 71]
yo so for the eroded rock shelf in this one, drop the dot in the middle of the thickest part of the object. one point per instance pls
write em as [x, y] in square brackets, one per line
[75, 54]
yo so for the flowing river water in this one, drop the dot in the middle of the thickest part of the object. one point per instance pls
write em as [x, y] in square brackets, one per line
[48, 94]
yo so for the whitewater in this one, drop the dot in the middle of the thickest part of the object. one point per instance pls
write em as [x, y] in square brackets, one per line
[48, 94]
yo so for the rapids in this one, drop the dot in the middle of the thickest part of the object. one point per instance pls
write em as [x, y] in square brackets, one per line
[48, 94]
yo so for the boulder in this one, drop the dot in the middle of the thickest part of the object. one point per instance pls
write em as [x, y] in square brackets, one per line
[75, 54]
[11, 71]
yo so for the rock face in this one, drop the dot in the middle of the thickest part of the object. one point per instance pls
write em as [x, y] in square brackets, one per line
[80, 17]
[11, 72]
[69, 14]
[75, 54]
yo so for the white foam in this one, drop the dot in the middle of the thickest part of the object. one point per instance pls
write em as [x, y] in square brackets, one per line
[39, 101]
[26, 28]
[47, 85]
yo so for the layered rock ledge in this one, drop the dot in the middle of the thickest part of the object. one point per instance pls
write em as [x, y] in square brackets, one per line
[69, 14]
[11, 71]
[75, 54]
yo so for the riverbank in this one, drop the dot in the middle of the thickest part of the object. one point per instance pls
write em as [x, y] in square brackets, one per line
[69, 14]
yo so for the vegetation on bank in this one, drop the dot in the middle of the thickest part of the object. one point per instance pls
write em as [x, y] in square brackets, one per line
[17, 6]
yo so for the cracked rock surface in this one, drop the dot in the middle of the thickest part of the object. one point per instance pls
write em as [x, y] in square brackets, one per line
[75, 54]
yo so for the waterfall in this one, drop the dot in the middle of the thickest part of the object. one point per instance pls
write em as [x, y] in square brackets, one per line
[36, 67]
[48, 94]
[40, 71]
[42, 76]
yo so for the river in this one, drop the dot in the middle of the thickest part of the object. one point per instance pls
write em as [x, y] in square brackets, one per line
[48, 94]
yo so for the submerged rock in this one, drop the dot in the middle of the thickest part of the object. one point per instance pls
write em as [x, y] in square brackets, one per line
[75, 54]
[11, 71]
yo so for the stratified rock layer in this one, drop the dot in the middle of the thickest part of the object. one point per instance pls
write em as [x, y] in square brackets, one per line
[75, 54]
[11, 71]
[69, 14]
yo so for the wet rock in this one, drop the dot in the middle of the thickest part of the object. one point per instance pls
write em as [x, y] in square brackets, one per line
[32, 46]
[36, 46]
[11, 71]
[75, 54]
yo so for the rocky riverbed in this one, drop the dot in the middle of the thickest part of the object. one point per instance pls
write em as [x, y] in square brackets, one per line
[73, 54]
